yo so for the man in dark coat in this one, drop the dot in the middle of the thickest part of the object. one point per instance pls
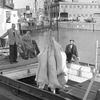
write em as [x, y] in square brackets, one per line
[29, 48]
[71, 52]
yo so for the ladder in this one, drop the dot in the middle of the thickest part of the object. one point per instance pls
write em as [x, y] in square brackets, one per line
[95, 73]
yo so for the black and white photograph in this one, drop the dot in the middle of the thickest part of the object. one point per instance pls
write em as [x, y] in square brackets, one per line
[49, 49]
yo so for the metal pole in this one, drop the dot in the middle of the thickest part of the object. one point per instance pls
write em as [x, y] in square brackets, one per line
[36, 7]
[49, 12]
[93, 27]
[57, 29]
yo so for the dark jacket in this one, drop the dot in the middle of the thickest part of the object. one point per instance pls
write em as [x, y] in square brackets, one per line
[72, 51]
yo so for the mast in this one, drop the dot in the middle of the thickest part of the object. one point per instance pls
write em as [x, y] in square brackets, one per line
[49, 3]
[49, 9]
[36, 8]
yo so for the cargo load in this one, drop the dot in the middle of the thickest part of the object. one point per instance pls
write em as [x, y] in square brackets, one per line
[52, 69]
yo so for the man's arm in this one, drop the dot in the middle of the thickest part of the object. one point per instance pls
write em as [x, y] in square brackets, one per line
[4, 35]
[75, 51]
[66, 50]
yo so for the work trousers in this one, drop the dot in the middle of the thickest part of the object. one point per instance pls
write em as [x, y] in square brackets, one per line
[69, 57]
[72, 58]
[13, 53]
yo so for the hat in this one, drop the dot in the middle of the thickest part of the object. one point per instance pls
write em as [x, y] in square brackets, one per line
[72, 40]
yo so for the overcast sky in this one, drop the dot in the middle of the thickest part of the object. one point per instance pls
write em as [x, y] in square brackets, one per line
[23, 3]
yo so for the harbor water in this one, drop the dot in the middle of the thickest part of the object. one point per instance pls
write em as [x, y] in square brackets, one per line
[84, 39]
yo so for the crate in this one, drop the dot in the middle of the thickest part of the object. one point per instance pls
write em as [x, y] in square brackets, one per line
[86, 69]
[87, 75]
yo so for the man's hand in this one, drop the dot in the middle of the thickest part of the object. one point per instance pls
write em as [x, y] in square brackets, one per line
[19, 45]
[78, 58]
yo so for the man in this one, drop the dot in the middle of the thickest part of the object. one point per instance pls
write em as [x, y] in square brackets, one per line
[29, 47]
[36, 49]
[13, 40]
[71, 52]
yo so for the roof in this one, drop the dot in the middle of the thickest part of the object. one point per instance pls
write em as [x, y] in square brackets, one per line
[80, 3]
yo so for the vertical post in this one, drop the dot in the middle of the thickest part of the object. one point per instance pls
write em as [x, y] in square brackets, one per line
[57, 30]
[36, 7]
[50, 14]
[57, 23]
[96, 61]
[93, 27]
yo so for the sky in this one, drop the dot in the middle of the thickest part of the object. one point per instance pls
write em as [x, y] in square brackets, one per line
[23, 3]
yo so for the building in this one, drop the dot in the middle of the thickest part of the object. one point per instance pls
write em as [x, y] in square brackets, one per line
[50, 4]
[89, 1]
[7, 15]
[74, 10]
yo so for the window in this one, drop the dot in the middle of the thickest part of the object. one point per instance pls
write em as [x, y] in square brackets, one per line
[66, 6]
[78, 6]
[86, 6]
[57, 8]
[61, 6]
[57, 14]
[95, 6]
[70, 6]
[74, 15]
[86, 15]
[64, 14]
[70, 15]
[74, 6]
[82, 6]
[91, 6]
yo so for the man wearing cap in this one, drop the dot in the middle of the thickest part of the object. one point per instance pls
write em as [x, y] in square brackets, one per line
[71, 52]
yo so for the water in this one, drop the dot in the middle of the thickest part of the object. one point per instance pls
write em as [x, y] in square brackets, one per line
[85, 41]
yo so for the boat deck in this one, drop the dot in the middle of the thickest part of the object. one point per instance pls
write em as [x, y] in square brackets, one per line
[28, 68]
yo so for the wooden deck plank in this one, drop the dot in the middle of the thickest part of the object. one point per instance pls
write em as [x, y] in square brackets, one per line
[20, 63]
[80, 89]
